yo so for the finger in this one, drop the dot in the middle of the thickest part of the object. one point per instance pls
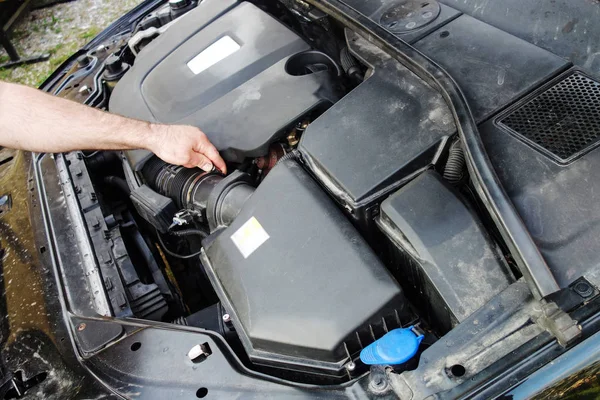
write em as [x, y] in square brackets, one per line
[213, 155]
[201, 161]
[204, 146]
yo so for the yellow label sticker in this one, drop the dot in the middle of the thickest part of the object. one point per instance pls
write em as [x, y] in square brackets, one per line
[249, 237]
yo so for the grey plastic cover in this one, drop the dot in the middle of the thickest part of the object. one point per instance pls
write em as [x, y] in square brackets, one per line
[388, 128]
[296, 275]
[221, 67]
[450, 256]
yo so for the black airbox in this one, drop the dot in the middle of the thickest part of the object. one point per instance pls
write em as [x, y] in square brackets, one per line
[298, 279]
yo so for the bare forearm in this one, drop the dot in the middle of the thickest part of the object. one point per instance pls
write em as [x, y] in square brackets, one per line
[33, 120]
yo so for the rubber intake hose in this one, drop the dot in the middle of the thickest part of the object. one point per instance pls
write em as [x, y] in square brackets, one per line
[218, 197]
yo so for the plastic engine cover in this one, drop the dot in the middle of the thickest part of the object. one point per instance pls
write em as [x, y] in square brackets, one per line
[222, 67]
[297, 278]
[387, 130]
[442, 250]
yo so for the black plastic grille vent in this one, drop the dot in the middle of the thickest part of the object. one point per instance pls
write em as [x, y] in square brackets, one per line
[564, 120]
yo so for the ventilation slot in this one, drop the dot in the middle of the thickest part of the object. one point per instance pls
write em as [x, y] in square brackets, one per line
[562, 120]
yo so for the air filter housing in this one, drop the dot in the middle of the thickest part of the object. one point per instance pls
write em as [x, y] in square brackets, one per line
[304, 289]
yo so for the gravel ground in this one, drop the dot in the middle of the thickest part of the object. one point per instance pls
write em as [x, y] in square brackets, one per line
[60, 31]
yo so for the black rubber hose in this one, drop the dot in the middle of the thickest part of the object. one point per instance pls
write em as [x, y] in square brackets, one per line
[520, 243]
[98, 160]
[454, 172]
[119, 183]
[189, 232]
[349, 64]
[346, 59]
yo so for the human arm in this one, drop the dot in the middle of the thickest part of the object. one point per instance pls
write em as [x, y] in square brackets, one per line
[35, 121]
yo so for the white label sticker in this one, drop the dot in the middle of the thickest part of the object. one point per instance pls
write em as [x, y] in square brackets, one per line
[214, 53]
[249, 237]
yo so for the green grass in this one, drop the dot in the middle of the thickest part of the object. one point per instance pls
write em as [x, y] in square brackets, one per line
[90, 33]
[34, 75]
[5, 74]
[59, 27]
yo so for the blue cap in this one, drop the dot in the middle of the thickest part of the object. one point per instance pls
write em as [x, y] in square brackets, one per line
[395, 347]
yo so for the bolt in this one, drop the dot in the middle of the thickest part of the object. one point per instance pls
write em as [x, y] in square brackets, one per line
[81, 326]
[378, 383]
[350, 366]
[226, 318]
[83, 61]
[85, 89]
[583, 289]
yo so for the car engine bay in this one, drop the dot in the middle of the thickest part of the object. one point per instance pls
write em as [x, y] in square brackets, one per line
[351, 207]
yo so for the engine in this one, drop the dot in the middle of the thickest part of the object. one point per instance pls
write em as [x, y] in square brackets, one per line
[342, 217]
[222, 73]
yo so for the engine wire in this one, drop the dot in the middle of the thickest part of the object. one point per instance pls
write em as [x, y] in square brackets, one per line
[173, 254]
[92, 154]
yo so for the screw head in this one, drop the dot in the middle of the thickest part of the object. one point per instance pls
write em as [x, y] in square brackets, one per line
[84, 89]
[350, 366]
[81, 326]
[378, 383]
[583, 289]
[226, 318]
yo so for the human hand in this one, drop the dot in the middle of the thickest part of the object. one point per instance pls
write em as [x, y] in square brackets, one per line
[184, 145]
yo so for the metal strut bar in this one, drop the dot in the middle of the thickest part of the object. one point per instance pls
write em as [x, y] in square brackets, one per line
[525, 252]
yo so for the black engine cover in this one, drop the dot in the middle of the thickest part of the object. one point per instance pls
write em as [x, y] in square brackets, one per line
[224, 67]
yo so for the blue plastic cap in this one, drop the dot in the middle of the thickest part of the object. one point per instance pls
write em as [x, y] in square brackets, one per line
[395, 347]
